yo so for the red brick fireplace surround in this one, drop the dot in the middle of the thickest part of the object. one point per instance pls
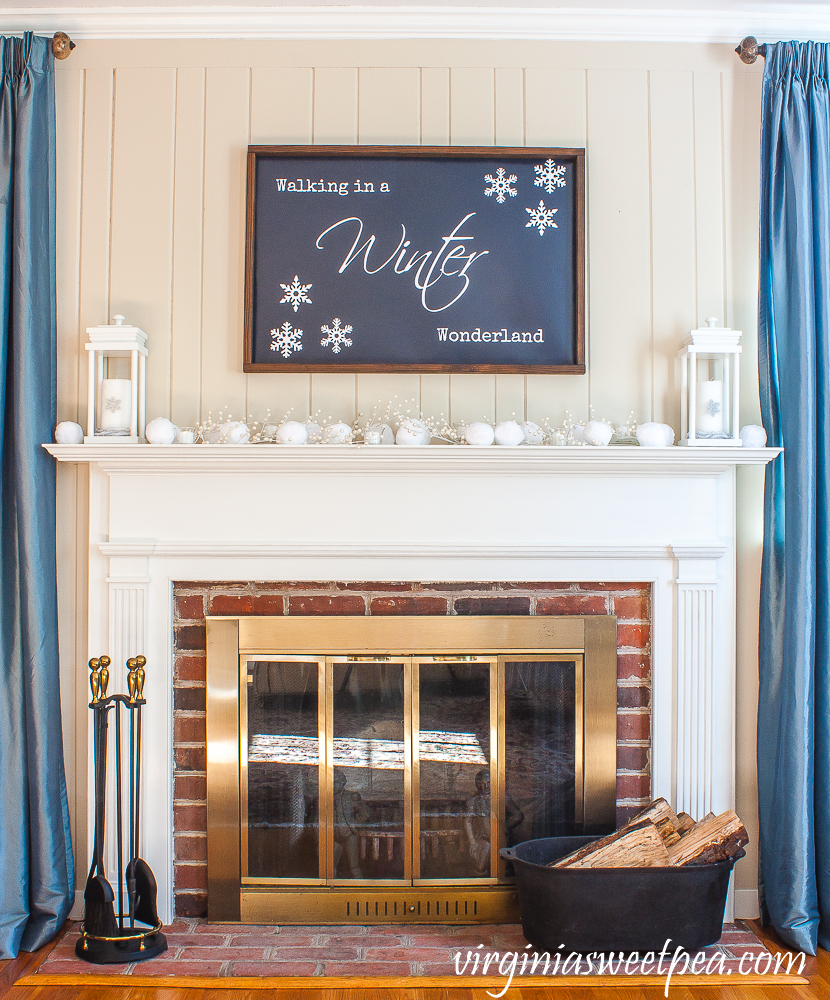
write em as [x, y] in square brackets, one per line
[630, 602]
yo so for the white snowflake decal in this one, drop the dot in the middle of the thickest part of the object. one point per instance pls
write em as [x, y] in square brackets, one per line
[500, 185]
[113, 404]
[295, 293]
[336, 337]
[541, 218]
[286, 340]
[549, 176]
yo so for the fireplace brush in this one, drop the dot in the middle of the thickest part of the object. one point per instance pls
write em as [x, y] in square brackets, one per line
[105, 938]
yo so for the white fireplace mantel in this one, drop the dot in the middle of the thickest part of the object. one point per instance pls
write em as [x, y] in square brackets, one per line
[264, 512]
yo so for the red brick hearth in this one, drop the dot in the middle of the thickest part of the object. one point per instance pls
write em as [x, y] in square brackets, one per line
[630, 602]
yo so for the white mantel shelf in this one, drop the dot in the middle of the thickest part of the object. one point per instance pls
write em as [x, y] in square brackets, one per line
[349, 459]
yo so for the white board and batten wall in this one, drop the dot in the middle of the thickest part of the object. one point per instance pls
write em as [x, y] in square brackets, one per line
[152, 137]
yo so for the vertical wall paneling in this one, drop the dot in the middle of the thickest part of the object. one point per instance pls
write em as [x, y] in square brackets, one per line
[69, 117]
[435, 395]
[335, 122]
[142, 217]
[741, 100]
[335, 106]
[510, 397]
[188, 208]
[93, 292]
[281, 114]
[709, 196]
[473, 397]
[555, 115]
[435, 106]
[672, 232]
[226, 140]
[472, 106]
[509, 106]
[389, 107]
[620, 245]
[509, 131]
[69, 100]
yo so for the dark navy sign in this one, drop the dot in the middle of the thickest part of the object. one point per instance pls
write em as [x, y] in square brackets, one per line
[424, 259]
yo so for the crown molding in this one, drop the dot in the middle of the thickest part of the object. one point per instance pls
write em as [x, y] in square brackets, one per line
[718, 25]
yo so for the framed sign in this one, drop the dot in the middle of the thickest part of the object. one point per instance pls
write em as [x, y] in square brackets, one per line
[424, 259]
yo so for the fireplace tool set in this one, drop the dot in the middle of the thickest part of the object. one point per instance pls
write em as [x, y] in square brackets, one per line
[107, 938]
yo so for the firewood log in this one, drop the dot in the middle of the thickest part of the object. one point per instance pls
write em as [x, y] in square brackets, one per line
[714, 838]
[684, 823]
[636, 845]
[663, 817]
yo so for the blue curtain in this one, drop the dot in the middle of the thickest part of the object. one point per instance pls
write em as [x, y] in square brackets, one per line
[794, 365]
[36, 870]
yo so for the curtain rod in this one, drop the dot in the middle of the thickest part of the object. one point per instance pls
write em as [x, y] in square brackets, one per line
[62, 45]
[749, 50]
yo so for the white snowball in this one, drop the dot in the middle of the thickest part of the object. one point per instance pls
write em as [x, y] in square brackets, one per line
[412, 433]
[578, 433]
[68, 432]
[161, 431]
[338, 433]
[753, 436]
[597, 433]
[292, 432]
[479, 434]
[509, 433]
[654, 435]
[533, 433]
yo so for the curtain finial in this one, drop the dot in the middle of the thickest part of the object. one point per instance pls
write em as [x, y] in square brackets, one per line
[749, 50]
[62, 45]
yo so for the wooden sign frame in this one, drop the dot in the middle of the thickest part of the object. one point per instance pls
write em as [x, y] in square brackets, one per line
[267, 232]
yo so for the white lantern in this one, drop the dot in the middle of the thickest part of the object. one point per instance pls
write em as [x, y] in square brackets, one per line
[709, 396]
[116, 405]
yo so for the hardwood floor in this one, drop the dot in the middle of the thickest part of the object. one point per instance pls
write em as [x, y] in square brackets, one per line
[817, 971]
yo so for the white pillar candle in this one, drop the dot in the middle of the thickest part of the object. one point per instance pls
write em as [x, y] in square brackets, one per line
[116, 403]
[709, 408]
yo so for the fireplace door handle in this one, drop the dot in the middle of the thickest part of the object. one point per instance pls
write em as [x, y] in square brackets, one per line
[367, 659]
[455, 659]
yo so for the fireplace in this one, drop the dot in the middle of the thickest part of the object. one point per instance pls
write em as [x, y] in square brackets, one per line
[381, 762]
[665, 517]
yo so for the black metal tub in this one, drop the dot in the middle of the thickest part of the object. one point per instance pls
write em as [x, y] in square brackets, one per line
[615, 909]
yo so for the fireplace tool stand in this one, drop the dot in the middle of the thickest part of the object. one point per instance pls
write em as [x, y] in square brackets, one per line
[108, 939]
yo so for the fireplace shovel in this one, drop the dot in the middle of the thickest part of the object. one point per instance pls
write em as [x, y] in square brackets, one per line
[142, 890]
[99, 914]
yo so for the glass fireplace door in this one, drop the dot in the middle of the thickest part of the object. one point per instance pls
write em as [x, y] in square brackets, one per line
[455, 777]
[282, 719]
[368, 735]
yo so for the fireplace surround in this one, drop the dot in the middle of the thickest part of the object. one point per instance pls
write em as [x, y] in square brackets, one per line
[218, 513]
[382, 761]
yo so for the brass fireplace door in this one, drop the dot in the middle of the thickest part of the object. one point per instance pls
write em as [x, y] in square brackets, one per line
[388, 781]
